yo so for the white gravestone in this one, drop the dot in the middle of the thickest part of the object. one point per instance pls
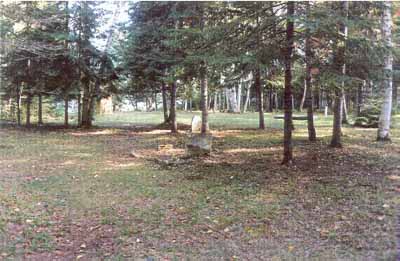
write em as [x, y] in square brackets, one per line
[196, 124]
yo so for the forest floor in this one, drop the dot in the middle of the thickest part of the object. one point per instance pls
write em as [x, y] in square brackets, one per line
[68, 194]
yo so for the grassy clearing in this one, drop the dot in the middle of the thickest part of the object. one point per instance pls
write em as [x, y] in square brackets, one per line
[71, 194]
[216, 120]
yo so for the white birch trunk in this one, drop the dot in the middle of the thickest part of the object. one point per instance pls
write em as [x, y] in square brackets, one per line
[221, 100]
[304, 96]
[239, 95]
[215, 104]
[384, 119]
[232, 100]
[246, 104]
[226, 92]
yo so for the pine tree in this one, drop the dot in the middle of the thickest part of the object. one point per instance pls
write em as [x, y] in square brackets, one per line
[339, 67]
[308, 80]
[288, 124]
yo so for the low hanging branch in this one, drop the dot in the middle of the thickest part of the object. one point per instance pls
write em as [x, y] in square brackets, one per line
[26, 49]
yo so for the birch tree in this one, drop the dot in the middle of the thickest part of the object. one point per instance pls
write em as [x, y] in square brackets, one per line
[384, 119]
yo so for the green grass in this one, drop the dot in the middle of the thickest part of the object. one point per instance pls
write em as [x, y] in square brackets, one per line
[82, 186]
[216, 120]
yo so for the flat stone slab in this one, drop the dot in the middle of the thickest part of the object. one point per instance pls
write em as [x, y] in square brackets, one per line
[294, 117]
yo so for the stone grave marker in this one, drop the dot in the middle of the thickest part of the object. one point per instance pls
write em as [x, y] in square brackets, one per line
[196, 124]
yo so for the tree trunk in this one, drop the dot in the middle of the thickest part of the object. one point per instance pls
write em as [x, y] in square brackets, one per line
[172, 110]
[92, 103]
[203, 99]
[292, 102]
[316, 97]
[370, 89]
[308, 90]
[239, 96]
[321, 100]
[164, 101]
[259, 94]
[226, 92]
[232, 100]
[150, 103]
[40, 114]
[270, 100]
[384, 119]
[336, 140]
[28, 110]
[215, 105]
[221, 101]
[79, 110]
[155, 101]
[304, 94]
[312, 136]
[66, 28]
[12, 109]
[19, 104]
[397, 94]
[340, 67]
[288, 125]
[86, 115]
[359, 99]
[246, 103]
[66, 111]
[344, 116]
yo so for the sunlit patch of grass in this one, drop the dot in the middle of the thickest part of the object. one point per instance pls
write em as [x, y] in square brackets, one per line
[257, 230]
[95, 133]
[249, 150]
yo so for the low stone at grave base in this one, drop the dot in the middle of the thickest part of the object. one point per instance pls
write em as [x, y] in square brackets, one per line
[199, 145]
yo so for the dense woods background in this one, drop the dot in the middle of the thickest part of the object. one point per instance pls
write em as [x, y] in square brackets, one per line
[339, 57]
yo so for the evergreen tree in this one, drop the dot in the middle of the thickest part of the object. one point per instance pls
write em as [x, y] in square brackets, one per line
[288, 124]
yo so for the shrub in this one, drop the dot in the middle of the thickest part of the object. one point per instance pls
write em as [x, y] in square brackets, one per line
[368, 118]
